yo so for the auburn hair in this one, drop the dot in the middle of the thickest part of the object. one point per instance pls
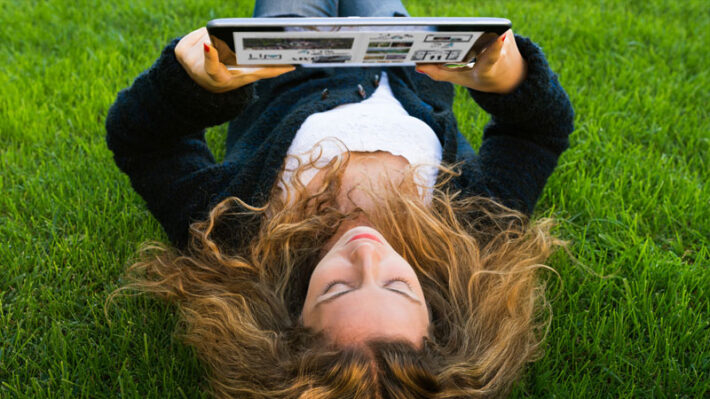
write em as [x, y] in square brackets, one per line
[240, 298]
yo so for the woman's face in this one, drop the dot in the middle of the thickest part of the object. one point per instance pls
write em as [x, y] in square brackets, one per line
[362, 289]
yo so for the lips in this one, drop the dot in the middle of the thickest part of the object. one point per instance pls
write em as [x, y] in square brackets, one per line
[365, 236]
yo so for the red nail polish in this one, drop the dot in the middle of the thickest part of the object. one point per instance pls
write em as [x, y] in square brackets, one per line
[502, 38]
[207, 48]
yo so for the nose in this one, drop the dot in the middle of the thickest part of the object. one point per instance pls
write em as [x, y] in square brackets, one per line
[366, 259]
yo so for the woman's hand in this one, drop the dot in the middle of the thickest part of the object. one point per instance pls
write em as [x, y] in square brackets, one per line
[200, 60]
[499, 68]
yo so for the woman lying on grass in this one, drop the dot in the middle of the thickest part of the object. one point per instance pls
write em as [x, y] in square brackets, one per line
[350, 245]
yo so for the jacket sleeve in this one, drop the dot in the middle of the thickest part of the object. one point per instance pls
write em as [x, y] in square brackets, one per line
[156, 129]
[528, 131]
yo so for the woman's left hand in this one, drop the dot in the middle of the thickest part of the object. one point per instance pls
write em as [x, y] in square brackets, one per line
[498, 69]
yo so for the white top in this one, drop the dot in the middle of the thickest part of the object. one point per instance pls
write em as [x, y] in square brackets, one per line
[379, 123]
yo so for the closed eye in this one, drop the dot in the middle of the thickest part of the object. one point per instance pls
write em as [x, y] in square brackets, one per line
[388, 283]
[401, 280]
[333, 284]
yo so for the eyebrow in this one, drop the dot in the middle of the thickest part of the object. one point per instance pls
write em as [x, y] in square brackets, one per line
[339, 294]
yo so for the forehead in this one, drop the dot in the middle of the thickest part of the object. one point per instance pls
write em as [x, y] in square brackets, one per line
[361, 314]
[375, 309]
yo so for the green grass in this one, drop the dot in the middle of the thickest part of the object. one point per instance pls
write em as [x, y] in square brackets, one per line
[631, 196]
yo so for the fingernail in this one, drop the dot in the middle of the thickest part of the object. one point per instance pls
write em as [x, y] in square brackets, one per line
[207, 48]
[503, 37]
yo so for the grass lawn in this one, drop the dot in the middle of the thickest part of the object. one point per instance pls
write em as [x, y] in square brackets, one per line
[631, 196]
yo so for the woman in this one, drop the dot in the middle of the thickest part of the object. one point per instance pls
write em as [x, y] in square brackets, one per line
[315, 263]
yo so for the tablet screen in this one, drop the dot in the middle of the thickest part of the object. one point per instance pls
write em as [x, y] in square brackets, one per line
[363, 45]
[352, 44]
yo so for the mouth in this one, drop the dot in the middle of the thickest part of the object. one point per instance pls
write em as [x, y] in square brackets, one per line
[364, 236]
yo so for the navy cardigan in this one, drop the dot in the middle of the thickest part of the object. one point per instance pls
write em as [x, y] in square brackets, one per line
[156, 132]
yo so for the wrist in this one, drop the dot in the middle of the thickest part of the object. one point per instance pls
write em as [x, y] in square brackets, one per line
[187, 98]
[538, 94]
[512, 79]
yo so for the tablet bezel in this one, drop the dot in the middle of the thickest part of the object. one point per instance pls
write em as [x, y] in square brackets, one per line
[224, 28]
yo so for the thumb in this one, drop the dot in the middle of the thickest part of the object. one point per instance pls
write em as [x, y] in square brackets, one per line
[274, 71]
[431, 70]
[439, 73]
[213, 67]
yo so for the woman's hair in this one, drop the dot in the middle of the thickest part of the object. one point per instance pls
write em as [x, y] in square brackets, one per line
[240, 301]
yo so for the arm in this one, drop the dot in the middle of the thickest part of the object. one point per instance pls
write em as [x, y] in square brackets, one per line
[528, 131]
[156, 132]
[529, 128]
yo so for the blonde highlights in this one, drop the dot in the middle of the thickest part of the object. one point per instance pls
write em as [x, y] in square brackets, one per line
[239, 290]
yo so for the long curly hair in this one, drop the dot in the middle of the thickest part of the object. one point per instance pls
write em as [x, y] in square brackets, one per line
[240, 293]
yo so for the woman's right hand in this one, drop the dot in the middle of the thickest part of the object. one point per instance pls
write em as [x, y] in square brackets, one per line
[200, 60]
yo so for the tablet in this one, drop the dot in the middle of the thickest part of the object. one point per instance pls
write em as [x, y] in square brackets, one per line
[352, 41]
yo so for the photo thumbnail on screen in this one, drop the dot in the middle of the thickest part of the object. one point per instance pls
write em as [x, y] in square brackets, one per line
[297, 43]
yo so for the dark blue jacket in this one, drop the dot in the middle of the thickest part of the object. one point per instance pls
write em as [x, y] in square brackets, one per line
[156, 132]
